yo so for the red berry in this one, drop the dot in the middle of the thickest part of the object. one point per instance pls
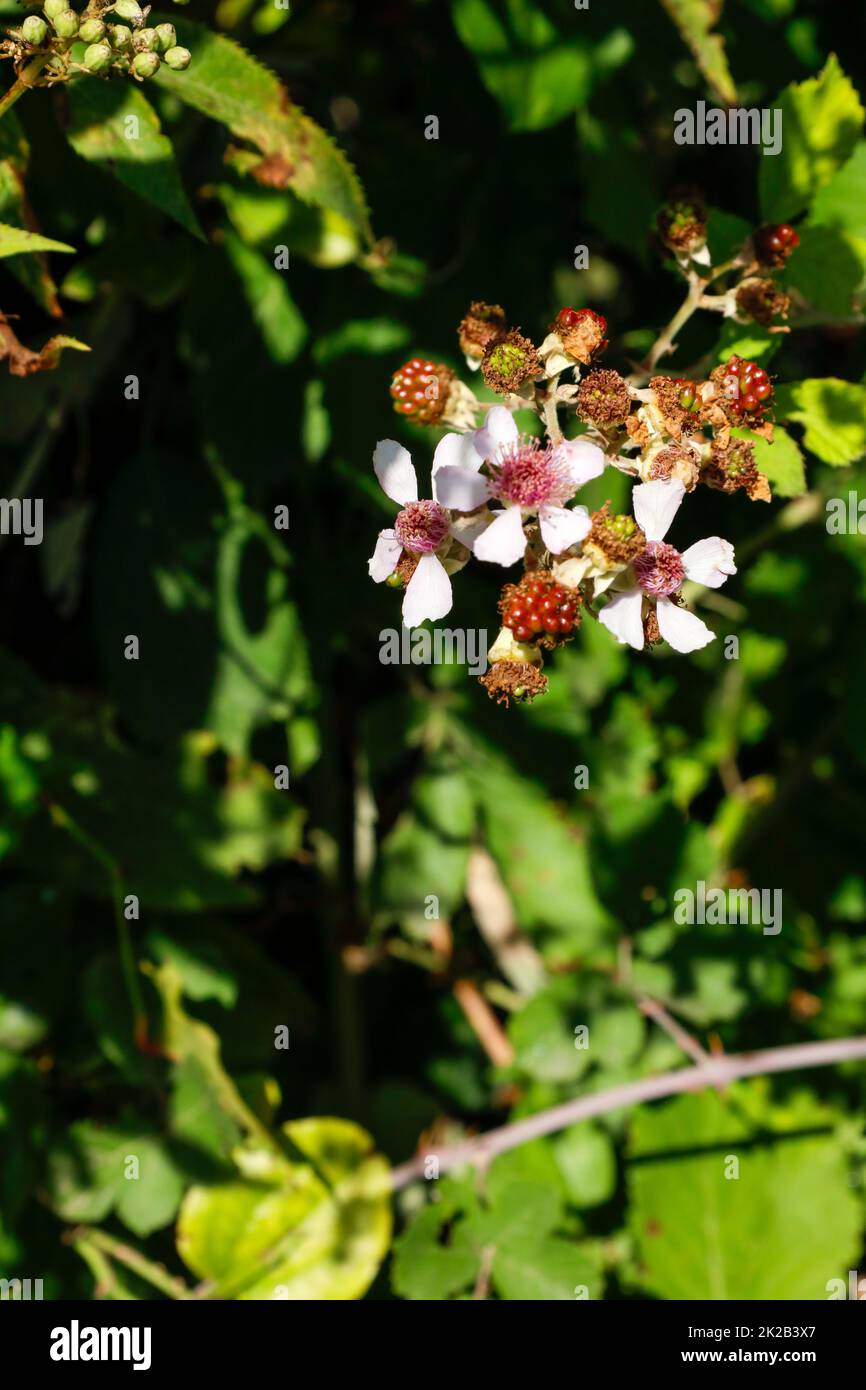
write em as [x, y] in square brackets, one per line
[420, 389]
[774, 244]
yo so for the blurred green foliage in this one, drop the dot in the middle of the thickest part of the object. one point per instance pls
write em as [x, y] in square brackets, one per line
[306, 909]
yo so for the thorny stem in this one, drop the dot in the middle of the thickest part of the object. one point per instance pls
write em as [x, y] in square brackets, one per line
[715, 1071]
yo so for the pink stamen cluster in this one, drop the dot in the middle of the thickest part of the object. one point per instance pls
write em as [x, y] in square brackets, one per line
[422, 527]
[659, 569]
[532, 475]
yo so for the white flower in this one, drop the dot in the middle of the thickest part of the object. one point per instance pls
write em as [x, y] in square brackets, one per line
[532, 478]
[661, 570]
[424, 527]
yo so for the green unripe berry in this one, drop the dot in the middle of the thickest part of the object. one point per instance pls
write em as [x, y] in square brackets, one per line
[35, 30]
[52, 8]
[119, 36]
[128, 9]
[92, 31]
[65, 24]
[144, 64]
[144, 41]
[166, 37]
[178, 59]
[98, 57]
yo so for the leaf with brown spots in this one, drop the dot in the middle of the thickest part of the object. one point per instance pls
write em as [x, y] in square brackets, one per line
[229, 85]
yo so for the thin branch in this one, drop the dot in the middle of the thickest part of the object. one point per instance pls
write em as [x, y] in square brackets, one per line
[684, 1040]
[716, 1071]
[484, 1023]
[156, 1274]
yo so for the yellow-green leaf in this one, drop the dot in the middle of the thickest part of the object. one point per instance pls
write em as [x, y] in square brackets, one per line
[15, 241]
[316, 1229]
[695, 20]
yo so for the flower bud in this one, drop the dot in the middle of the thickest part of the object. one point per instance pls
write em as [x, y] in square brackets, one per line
[144, 41]
[65, 24]
[144, 64]
[682, 223]
[120, 37]
[92, 31]
[52, 8]
[98, 57]
[128, 9]
[35, 30]
[178, 59]
[166, 37]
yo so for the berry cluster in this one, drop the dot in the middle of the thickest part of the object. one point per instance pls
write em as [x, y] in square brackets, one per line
[539, 609]
[753, 389]
[774, 244]
[127, 48]
[419, 388]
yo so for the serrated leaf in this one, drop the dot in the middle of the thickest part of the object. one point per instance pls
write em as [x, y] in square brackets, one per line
[114, 126]
[695, 20]
[833, 414]
[822, 120]
[15, 241]
[698, 1221]
[229, 85]
[781, 461]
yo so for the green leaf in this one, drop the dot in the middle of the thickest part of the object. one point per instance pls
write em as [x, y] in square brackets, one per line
[529, 1261]
[781, 461]
[697, 1226]
[227, 84]
[827, 268]
[542, 857]
[114, 126]
[14, 241]
[833, 414]
[196, 1046]
[425, 1267]
[695, 20]
[822, 120]
[311, 1230]
[537, 72]
[33, 273]
[842, 202]
[544, 1043]
[96, 1170]
[585, 1157]
[280, 322]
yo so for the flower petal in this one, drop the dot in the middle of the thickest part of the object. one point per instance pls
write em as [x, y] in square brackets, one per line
[395, 472]
[458, 451]
[622, 617]
[561, 528]
[498, 432]
[503, 542]
[683, 630]
[709, 562]
[428, 593]
[585, 460]
[384, 558]
[459, 489]
[655, 506]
